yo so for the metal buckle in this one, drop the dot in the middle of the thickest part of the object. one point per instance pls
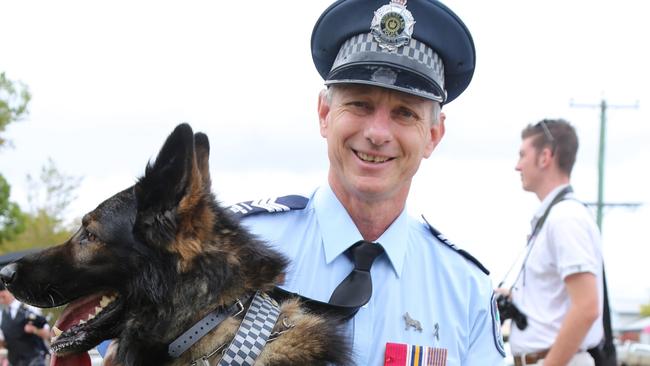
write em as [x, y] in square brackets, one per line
[203, 360]
[521, 358]
[200, 362]
[287, 327]
[234, 310]
[240, 306]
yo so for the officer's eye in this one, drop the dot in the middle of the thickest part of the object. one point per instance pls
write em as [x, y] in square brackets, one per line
[406, 114]
[359, 106]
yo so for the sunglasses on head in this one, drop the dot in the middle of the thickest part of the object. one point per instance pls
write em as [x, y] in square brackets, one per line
[547, 134]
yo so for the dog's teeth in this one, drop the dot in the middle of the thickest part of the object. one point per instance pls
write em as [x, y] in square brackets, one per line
[82, 321]
[106, 300]
[98, 309]
[57, 331]
[90, 316]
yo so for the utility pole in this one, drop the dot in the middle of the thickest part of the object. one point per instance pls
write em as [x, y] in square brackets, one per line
[600, 204]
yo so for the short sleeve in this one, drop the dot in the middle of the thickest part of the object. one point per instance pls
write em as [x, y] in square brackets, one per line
[486, 342]
[574, 240]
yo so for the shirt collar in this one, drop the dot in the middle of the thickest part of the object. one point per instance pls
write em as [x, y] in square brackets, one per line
[339, 232]
[13, 308]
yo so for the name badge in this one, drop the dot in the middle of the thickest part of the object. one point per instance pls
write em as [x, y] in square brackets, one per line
[400, 354]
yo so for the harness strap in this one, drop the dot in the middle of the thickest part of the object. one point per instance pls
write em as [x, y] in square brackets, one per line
[253, 333]
[203, 326]
[339, 312]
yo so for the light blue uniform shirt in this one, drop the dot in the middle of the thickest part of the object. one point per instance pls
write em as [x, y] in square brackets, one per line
[417, 274]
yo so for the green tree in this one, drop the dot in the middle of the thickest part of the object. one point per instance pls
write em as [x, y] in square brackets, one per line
[49, 196]
[12, 220]
[14, 99]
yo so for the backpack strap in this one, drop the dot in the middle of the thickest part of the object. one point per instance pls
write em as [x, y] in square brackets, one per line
[453, 246]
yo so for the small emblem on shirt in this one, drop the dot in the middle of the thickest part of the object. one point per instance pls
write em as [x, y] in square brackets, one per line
[436, 331]
[400, 354]
[410, 322]
[269, 205]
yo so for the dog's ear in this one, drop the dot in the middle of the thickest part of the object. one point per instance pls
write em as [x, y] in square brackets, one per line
[202, 151]
[165, 180]
[166, 184]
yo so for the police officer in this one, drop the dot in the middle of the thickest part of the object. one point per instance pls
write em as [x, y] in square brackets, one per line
[389, 67]
[25, 342]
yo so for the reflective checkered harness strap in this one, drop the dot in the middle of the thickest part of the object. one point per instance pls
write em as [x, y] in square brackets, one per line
[253, 332]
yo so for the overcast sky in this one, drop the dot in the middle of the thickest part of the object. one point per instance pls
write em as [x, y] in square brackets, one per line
[110, 80]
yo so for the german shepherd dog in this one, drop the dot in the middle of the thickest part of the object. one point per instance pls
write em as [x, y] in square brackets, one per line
[157, 257]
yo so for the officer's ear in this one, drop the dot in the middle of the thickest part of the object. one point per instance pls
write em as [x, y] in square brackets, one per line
[437, 131]
[323, 111]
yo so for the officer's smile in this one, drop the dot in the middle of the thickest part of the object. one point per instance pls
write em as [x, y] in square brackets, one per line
[368, 158]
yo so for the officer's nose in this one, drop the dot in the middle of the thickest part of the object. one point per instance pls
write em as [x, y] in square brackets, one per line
[8, 273]
[377, 129]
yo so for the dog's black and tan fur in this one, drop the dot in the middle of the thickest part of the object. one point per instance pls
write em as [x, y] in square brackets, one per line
[172, 255]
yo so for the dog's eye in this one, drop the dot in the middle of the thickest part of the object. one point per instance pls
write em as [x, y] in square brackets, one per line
[87, 237]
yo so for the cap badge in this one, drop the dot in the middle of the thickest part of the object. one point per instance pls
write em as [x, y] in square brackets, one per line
[392, 25]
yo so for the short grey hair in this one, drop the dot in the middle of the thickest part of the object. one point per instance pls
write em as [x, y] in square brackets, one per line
[437, 107]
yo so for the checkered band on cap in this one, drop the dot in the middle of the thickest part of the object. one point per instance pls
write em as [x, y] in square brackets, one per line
[253, 332]
[415, 57]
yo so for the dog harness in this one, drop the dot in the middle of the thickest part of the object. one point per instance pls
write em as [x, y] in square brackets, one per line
[254, 332]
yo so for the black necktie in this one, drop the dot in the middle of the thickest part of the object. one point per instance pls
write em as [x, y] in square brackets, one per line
[355, 290]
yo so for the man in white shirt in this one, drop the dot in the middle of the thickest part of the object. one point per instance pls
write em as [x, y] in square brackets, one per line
[560, 286]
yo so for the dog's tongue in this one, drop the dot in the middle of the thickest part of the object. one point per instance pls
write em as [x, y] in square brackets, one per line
[71, 315]
[77, 311]
[79, 359]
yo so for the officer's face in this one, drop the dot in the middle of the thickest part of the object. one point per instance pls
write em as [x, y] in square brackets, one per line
[529, 166]
[376, 139]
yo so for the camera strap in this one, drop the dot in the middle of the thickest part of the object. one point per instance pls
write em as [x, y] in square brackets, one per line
[531, 238]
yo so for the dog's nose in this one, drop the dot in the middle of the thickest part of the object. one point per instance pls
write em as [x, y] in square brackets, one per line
[8, 273]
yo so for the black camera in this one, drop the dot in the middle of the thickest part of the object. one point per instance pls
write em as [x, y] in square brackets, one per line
[508, 310]
[36, 320]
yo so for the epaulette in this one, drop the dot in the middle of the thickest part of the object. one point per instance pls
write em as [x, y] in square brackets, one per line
[453, 246]
[269, 205]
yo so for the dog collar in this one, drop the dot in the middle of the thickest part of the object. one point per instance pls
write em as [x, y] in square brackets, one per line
[205, 325]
